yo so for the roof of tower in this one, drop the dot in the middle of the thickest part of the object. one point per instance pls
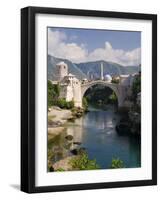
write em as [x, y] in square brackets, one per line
[61, 63]
[71, 74]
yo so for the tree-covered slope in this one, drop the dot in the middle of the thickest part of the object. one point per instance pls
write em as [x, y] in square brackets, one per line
[72, 68]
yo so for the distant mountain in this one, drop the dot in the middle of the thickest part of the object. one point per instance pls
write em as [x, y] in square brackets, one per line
[94, 69]
[72, 68]
[132, 69]
[88, 69]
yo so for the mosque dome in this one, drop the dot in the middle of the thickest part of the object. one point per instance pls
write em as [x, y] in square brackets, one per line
[108, 78]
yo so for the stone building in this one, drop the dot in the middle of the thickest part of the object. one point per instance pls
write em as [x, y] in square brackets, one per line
[61, 70]
[70, 89]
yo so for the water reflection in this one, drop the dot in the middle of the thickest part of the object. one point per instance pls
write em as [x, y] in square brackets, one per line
[96, 132]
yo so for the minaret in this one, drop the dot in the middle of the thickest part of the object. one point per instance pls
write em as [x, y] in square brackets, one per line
[101, 70]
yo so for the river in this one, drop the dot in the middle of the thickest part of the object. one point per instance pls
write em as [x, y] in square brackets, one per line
[95, 132]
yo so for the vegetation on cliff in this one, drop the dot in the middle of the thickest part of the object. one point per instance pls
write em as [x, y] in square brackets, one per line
[62, 103]
[53, 93]
[82, 162]
[55, 100]
[136, 87]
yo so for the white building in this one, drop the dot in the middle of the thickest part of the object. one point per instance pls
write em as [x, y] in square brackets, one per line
[125, 80]
[70, 89]
[84, 81]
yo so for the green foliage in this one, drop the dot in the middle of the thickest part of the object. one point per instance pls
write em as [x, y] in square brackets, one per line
[53, 93]
[100, 95]
[62, 103]
[117, 163]
[113, 98]
[85, 103]
[136, 87]
[115, 81]
[53, 97]
[60, 170]
[70, 104]
[82, 162]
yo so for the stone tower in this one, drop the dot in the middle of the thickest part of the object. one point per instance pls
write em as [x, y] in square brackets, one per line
[61, 70]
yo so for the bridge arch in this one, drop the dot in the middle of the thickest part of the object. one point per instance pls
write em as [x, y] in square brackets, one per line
[114, 87]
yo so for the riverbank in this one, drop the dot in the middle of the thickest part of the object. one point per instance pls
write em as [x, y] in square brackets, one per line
[57, 118]
[64, 164]
[58, 139]
[95, 132]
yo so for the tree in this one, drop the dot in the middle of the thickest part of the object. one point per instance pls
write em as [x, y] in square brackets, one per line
[115, 81]
[70, 104]
[117, 163]
[53, 93]
[113, 98]
[136, 87]
[85, 103]
[62, 103]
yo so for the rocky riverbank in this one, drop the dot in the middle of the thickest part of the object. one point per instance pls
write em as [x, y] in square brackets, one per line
[64, 164]
[58, 117]
[130, 123]
[58, 141]
[56, 120]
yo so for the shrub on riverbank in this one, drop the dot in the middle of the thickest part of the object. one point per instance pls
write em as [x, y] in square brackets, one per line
[117, 163]
[60, 170]
[62, 103]
[82, 162]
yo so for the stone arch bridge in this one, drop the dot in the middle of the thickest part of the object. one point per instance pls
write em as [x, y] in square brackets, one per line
[120, 90]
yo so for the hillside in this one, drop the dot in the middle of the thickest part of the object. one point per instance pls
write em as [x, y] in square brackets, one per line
[94, 68]
[52, 61]
[88, 69]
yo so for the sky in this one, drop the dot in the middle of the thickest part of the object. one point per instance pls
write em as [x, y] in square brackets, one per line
[84, 45]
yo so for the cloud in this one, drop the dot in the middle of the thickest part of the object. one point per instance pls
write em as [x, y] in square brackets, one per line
[59, 46]
[119, 56]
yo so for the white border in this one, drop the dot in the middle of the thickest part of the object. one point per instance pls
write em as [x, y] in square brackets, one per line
[145, 172]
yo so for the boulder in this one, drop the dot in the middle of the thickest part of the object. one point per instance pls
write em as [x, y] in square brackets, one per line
[69, 137]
